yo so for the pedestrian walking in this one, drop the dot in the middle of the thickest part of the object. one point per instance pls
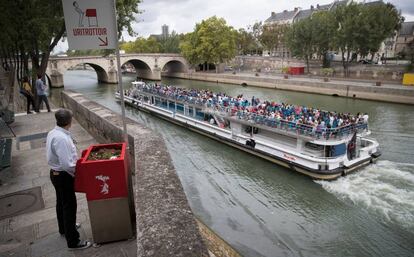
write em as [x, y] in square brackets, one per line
[26, 90]
[41, 93]
[61, 157]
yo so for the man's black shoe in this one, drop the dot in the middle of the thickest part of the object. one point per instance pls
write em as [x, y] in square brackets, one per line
[81, 245]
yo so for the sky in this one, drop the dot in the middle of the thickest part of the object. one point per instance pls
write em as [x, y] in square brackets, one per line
[182, 15]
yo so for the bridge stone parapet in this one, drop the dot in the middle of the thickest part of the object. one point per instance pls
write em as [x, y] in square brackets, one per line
[147, 66]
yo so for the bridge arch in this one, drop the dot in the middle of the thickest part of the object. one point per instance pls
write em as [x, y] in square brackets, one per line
[142, 69]
[173, 66]
[100, 72]
[147, 66]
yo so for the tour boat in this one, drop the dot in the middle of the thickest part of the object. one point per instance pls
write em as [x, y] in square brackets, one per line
[324, 154]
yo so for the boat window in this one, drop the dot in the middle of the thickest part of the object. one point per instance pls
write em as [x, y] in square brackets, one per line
[157, 101]
[199, 114]
[171, 106]
[180, 108]
[313, 146]
[337, 150]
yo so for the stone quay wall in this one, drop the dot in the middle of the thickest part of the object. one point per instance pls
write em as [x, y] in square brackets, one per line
[389, 72]
[165, 224]
[366, 91]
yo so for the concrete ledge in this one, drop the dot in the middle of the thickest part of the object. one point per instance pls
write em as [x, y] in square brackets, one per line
[166, 225]
[352, 90]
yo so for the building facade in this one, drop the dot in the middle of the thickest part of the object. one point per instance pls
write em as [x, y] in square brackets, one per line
[404, 37]
[290, 17]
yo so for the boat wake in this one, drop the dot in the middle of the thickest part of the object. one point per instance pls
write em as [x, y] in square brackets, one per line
[386, 188]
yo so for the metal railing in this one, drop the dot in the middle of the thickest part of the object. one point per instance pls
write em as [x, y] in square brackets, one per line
[213, 107]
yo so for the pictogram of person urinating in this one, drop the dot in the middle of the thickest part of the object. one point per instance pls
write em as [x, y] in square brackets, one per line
[104, 186]
[90, 13]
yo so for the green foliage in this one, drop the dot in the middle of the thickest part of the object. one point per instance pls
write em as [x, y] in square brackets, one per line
[327, 71]
[285, 70]
[94, 52]
[142, 45]
[211, 42]
[323, 31]
[300, 40]
[256, 31]
[126, 15]
[362, 28]
[312, 36]
[350, 29]
[272, 36]
[170, 44]
[188, 48]
[245, 42]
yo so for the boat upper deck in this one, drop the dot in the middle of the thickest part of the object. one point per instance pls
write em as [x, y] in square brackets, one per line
[309, 122]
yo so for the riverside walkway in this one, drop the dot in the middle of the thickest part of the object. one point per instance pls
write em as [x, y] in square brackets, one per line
[28, 225]
[166, 226]
[357, 89]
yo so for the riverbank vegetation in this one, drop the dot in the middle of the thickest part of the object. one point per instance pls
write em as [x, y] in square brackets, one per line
[352, 30]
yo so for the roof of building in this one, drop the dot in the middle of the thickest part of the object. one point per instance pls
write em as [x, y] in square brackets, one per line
[303, 14]
[282, 16]
[407, 28]
[298, 14]
[374, 2]
[338, 3]
[323, 7]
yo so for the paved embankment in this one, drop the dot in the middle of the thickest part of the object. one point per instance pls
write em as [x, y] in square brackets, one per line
[35, 233]
[166, 225]
[353, 89]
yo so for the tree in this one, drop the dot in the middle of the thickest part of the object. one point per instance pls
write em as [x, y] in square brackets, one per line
[299, 39]
[323, 31]
[170, 44]
[93, 52]
[142, 45]
[362, 28]
[256, 31]
[34, 27]
[383, 21]
[245, 42]
[211, 42]
[272, 35]
[188, 47]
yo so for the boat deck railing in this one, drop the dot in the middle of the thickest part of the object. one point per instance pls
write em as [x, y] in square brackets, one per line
[317, 132]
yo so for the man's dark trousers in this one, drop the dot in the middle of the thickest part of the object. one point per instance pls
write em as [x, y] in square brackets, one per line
[43, 98]
[65, 205]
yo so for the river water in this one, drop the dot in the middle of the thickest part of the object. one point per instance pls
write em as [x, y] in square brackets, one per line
[262, 209]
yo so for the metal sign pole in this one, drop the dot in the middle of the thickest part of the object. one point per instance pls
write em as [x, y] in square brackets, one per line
[121, 90]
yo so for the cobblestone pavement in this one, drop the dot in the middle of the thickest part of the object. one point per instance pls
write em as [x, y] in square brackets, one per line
[36, 233]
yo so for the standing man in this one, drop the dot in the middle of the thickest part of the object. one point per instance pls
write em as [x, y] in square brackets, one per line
[61, 157]
[41, 94]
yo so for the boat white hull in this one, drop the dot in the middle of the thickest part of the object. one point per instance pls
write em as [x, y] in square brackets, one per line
[303, 164]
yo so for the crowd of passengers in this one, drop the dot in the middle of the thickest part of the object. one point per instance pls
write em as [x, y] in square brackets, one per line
[250, 110]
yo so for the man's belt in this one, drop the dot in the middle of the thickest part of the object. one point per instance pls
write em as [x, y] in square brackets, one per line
[55, 172]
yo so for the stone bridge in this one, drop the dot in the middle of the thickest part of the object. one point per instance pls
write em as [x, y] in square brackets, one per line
[147, 66]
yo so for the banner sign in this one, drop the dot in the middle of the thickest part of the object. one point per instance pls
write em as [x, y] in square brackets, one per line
[90, 24]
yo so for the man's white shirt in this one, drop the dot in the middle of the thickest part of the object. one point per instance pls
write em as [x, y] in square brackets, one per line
[61, 151]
